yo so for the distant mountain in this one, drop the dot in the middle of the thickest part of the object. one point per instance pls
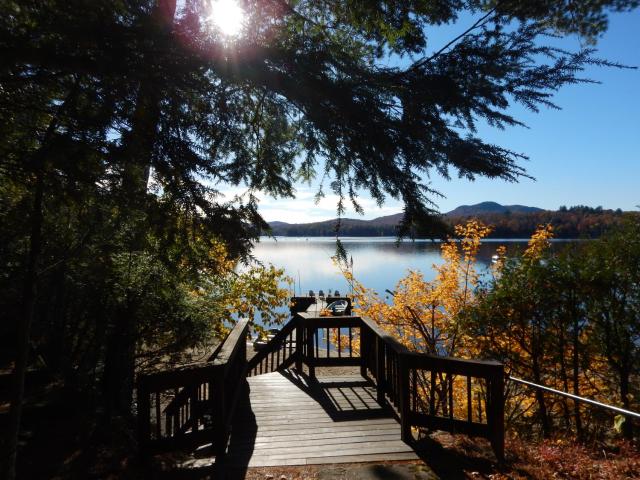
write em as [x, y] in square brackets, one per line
[277, 224]
[348, 226]
[391, 220]
[384, 226]
[490, 207]
[508, 221]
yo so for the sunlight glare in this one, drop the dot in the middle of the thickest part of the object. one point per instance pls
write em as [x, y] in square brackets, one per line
[227, 16]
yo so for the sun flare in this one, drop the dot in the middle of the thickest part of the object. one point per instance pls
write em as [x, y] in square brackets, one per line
[227, 16]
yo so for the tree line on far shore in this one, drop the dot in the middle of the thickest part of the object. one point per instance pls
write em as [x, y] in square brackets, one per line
[573, 222]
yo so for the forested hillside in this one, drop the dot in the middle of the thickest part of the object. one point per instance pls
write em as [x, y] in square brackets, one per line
[574, 222]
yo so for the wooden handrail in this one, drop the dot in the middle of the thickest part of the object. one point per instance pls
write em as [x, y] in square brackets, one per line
[278, 344]
[233, 344]
[203, 397]
[388, 339]
[205, 394]
[220, 359]
[454, 366]
[174, 377]
[400, 373]
[215, 352]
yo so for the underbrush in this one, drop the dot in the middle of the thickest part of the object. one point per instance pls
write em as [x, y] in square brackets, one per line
[567, 459]
[460, 456]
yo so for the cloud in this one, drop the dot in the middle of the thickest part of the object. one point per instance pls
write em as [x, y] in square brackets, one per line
[303, 208]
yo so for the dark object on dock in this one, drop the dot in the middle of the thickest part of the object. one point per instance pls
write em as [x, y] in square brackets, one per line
[259, 344]
[317, 304]
[339, 307]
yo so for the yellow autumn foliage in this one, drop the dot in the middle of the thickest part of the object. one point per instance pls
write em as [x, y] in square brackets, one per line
[428, 316]
[423, 314]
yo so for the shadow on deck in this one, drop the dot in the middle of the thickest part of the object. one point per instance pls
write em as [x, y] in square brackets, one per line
[261, 412]
[289, 419]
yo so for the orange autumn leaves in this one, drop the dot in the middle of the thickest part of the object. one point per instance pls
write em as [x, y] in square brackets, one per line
[423, 314]
[429, 315]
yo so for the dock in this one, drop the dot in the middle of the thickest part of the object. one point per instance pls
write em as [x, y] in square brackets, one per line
[288, 405]
[289, 420]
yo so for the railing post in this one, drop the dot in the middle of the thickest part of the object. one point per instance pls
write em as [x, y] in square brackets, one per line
[218, 404]
[243, 350]
[405, 423]
[299, 346]
[380, 373]
[364, 351]
[496, 410]
[196, 408]
[144, 417]
[310, 357]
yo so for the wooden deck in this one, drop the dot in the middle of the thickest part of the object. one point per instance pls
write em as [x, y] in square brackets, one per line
[289, 420]
[259, 412]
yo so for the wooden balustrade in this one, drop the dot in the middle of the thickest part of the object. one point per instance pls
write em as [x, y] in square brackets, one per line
[427, 391]
[459, 396]
[193, 404]
[279, 353]
[328, 341]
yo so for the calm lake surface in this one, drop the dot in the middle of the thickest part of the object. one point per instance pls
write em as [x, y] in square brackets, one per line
[378, 262]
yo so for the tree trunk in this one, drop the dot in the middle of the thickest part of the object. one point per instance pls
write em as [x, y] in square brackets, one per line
[57, 348]
[564, 376]
[138, 150]
[24, 331]
[537, 376]
[120, 361]
[542, 407]
[139, 143]
[627, 427]
[10, 447]
[576, 375]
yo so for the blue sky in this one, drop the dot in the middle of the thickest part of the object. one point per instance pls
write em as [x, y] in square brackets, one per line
[587, 153]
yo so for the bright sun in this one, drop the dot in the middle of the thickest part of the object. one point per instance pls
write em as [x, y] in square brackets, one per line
[227, 16]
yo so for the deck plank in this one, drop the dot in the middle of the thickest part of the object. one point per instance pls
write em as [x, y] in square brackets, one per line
[289, 420]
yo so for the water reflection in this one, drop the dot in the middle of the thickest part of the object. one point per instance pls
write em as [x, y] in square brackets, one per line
[377, 262]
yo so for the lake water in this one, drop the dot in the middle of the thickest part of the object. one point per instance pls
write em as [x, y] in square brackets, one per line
[378, 262]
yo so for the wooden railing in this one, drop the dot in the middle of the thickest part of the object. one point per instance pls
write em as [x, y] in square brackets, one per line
[193, 404]
[477, 411]
[326, 341]
[279, 353]
[291, 343]
[427, 391]
[434, 392]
